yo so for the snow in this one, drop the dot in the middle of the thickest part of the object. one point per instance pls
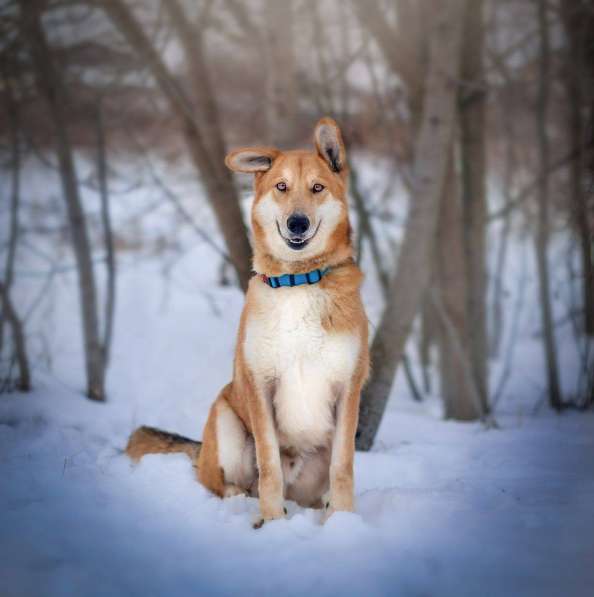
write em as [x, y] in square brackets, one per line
[443, 508]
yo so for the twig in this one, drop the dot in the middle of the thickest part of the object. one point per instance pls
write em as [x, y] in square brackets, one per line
[527, 191]
[174, 199]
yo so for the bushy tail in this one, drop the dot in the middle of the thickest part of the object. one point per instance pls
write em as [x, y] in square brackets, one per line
[148, 440]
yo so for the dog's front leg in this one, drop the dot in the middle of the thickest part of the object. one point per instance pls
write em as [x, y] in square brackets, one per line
[341, 495]
[270, 474]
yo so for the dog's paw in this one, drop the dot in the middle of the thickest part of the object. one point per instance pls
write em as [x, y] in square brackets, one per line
[233, 490]
[330, 508]
[259, 522]
[328, 512]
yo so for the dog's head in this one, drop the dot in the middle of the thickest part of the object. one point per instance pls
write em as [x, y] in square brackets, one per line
[300, 213]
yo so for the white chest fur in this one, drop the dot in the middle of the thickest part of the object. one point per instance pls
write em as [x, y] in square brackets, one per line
[285, 342]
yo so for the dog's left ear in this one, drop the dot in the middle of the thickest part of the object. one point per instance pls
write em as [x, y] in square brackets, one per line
[329, 144]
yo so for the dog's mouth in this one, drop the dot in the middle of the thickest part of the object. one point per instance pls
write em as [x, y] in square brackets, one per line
[297, 242]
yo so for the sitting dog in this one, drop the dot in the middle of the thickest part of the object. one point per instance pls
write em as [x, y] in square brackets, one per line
[285, 425]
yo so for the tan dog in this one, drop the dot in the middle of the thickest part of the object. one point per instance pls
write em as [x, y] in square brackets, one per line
[285, 426]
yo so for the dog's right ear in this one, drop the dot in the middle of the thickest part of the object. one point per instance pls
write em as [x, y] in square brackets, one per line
[251, 159]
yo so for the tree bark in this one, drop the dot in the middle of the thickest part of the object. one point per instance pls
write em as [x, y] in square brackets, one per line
[542, 232]
[401, 51]
[472, 106]
[414, 263]
[20, 346]
[427, 339]
[578, 21]
[221, 193]
[8, 313]
[510, 163]
[281, 76]
[450, 278]
[110, 260]
[366, 231]
[497, 315]
[208, 120]
[12, 111]
[51, 87]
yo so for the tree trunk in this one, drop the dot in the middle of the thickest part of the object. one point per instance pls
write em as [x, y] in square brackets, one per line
[53, 92]
[542, 232]
[221, 194]
[498, 310]
[509, 166]
[8, 313]
[427, 339]
[110, 261]
[366, 231]
[450, 277]
[578, 20]
[402, 51]
[20, 346]
[208, 119]
[472, 106]
[414, 262]
[12, 112]
[281, 73]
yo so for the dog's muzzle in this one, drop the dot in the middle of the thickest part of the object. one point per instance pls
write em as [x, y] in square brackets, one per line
[298, 225]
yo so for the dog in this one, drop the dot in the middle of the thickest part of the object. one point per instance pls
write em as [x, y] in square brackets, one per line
[284, 428]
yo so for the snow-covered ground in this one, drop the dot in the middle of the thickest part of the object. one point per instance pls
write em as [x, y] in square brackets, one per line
[442, 508]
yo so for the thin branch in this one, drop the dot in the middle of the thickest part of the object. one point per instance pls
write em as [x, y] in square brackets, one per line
[110, 260]
[531, 187]
[174, 199]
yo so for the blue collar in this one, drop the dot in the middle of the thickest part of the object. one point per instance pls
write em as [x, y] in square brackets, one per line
[294, 279]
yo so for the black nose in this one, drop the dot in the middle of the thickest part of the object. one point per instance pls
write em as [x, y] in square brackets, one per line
[298, 224]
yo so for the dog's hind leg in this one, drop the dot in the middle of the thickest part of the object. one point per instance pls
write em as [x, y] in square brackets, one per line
[227, 463]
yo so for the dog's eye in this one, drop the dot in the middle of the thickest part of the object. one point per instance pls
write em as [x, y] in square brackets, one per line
[281, 186]
[318, 188]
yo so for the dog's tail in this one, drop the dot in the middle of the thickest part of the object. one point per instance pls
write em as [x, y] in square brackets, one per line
[148, 440]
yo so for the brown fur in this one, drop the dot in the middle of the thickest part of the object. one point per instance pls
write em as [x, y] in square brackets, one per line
[148, 440]
[251, 401]
[210, 473]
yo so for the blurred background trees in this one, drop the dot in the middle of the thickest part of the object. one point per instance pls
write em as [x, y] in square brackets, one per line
[477, 114]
